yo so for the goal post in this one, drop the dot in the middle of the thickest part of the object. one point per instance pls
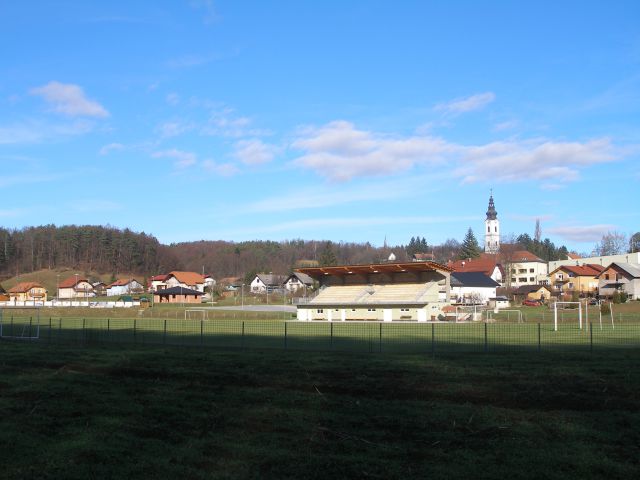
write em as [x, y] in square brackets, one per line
[204, 313]
[20, 327]
[555, 313]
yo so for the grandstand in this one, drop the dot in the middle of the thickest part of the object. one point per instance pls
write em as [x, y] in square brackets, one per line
[415, 291]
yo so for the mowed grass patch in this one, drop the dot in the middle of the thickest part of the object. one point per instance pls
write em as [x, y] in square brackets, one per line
[173, 413]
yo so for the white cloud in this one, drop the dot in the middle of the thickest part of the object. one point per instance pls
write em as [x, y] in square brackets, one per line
[173, 129]
[182, 159]
[322, 196]
[224, 123]
[254, 151]
[173, 99]
[506, 125]
[112, 147]
[585, 234]
[222, 169]
[38, 131]
[512, 161]
[467, 104]
[339, 151]
[208, 9]
[69, 99]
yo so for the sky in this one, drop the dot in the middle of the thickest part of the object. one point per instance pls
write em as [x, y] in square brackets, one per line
[347, 121]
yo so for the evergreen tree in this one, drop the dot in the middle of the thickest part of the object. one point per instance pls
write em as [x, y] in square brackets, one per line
[470, 246]
[328, 256]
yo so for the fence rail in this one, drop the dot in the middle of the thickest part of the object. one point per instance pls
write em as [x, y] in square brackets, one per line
[387, 337]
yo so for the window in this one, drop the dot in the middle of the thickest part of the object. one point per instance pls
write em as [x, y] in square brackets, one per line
[606, 276]
[531, 270]
[571, 285]
[522, 270]
[532, 279]
[404, 309]
[488, 229]
[618, 277]
[522, 280]
[495, 229]
[513, 280]
[371, 309]
[319, 310]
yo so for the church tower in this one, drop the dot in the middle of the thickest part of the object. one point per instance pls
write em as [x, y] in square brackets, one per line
[491, 229]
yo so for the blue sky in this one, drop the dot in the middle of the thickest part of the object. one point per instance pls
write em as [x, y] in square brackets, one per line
[348, 121]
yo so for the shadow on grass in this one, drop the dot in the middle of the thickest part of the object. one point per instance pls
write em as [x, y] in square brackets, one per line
[430, 339]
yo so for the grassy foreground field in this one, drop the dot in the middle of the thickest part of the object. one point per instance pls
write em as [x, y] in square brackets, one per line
[146, 412]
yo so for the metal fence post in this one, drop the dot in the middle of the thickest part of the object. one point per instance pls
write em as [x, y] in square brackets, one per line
[243, 334]
[380, 342]
[164, 332]
[285, 335]
[201, 332]
[486, 345]
[30, 323]
[433, 340]
[12, 325]
[539, 344]
[331, 335]
[591, 337]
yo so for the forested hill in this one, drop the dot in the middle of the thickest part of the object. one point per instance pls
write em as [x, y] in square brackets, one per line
[109, 250]
[86, 248]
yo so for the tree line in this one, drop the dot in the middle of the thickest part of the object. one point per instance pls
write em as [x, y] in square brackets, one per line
[106, 249]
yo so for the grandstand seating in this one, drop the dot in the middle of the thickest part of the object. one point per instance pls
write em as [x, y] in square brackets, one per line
[376, 294]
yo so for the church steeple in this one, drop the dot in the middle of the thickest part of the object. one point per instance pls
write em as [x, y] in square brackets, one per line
[492, 228]
[491, 211]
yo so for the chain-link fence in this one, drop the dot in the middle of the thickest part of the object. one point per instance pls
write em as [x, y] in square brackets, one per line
[383, 337]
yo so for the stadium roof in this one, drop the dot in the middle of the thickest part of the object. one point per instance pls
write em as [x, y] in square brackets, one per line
[344, 270]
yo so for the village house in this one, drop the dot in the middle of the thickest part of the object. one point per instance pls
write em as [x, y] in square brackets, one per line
[157, 282]
[298, 281]
[486, 264]
[267, 283]
[124, 286]
[192, 280]
[472, 288]
[27, 292]
[542, 293]
[569, 279]
[620, 277]
[75, 287]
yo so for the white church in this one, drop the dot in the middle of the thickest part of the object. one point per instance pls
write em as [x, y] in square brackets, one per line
[492, 229]
[524, 267]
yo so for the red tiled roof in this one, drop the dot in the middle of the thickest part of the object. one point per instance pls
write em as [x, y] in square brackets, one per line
[121, 282]
[524, 256]
[188, 278]
[71, 282]
[24, 287]
[159, 278]
[589, 270]
[573, 256]
[486, 264]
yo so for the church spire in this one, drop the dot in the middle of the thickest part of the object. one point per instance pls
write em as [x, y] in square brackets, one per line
[491, 211]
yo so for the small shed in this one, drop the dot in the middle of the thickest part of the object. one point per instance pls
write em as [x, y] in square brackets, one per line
[177, 295]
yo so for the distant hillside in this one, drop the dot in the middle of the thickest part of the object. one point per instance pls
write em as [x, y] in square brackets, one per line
[84, 248]
[49, 278]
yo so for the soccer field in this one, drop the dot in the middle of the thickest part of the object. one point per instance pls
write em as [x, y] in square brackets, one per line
[387, 337]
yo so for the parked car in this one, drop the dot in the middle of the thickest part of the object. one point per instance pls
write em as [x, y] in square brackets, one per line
[532, 303]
